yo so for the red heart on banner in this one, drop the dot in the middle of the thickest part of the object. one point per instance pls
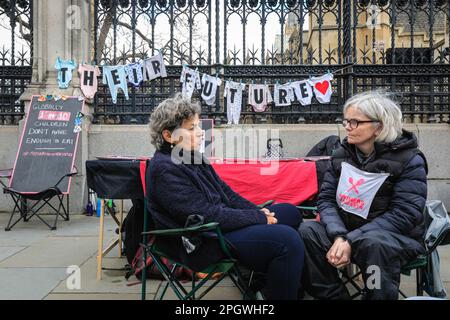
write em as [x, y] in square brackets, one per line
[322, 87]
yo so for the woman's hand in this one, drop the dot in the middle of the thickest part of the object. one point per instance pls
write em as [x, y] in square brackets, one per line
[271, 220]
[340, 253]
[270, 216]
[267, 212]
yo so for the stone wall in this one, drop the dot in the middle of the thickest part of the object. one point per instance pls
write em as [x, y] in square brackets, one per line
[103, 140]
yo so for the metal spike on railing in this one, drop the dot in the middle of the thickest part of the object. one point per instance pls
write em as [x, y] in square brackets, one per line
[235, 55]
[200, 56]
[253, 55]
[272, 55]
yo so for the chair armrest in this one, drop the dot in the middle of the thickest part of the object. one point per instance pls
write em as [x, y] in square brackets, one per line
[212, 226]
[311, 212]
[6, 173]
[307, 208]
[182, 231]
[71, 174]
[443, 239]
[265, 204]
[74, 172]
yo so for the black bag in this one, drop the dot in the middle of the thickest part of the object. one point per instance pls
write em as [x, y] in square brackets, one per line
[324, 147]
[133, 226]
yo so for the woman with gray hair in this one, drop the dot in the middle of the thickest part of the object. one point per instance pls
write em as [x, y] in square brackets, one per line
[370, 203]
[182, 185]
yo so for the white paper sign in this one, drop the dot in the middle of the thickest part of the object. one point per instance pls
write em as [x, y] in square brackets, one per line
[357, 189]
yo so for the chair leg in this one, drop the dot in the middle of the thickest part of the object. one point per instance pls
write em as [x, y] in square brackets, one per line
[10, 225]
[216, 282]
[58, 213]
[65, 213]
[56, 220]
[68, 211]
[161, 296]
[27, 211]
[350, 279]
[163, 293]
[402, 294]
[19, 205]
[24, 206]
[193, 284]
[419, 287]
[35, 212]
[241, 284]
[173, 282]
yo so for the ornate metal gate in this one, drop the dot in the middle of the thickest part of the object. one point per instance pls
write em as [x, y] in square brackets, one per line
[398, 45]
[16, 43]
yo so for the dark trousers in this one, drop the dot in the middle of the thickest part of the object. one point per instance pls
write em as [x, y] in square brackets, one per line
[379, 254]
[276, 250]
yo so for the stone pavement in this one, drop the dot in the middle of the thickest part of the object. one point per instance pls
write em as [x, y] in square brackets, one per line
[34, 262]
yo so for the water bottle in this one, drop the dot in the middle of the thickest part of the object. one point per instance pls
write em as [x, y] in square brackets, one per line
[109, 204]
[89, 209]
[99, 207]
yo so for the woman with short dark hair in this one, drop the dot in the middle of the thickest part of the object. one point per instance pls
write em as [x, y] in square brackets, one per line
[181, 183]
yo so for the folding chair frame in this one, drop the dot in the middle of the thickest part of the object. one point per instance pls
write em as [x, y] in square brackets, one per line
[349, 278]
[169, 275]
[227, 266]
[183, 294]
[26, 212]
[418, 264]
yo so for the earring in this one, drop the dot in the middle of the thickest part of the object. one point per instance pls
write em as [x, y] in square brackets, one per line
[171, 146]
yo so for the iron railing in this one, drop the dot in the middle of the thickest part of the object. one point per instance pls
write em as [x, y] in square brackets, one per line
[315, 36]
[16, 52]
[398, 45]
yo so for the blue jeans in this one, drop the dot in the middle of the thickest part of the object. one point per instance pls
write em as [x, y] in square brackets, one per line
[276, 250]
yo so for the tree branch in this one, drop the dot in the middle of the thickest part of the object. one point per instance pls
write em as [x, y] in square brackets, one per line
[103, 35]
[26, 36]
[139, 32]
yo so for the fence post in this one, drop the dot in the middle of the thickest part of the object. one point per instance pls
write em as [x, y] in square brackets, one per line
[217, 31]
[348, 58]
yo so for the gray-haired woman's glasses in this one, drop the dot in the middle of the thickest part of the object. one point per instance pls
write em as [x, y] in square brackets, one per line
[353, 123]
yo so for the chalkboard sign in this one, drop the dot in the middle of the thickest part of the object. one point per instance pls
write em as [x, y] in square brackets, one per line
[207, 125]
[48, 144]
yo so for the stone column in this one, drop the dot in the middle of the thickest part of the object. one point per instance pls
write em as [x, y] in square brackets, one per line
[62, 29]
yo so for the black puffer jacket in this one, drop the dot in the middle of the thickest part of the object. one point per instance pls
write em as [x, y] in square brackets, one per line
[399, 203]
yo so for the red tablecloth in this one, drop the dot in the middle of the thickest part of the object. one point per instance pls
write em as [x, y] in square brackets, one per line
[291, 181]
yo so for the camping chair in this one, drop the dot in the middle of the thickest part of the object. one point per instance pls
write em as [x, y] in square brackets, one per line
[42, 198]
[421, 265]
[226, 267]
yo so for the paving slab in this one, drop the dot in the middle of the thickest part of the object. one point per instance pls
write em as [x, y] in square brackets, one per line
[77, 225]
[113, 281]
[54, 252]
[218, 293]
[445, 269]
[29, 283]
[20, 238]
[97, 296]
[6, 252]
[23, 234]
[33, 262]
[34, 223]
